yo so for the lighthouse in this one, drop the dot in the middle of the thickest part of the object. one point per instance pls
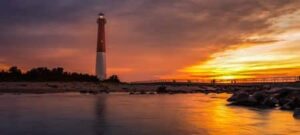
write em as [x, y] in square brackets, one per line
[101, 49]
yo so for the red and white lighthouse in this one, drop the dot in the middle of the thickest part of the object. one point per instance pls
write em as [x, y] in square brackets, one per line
[101, 49]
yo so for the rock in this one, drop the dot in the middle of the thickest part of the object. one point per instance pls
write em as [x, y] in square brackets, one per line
[83, 92]
[260, 96]
[142, 92]
[243, 98]
[52, 86]
[104, 91]
[265, 100]
[257, 99]
[285, 98]
[287, 92]
[252, 99]
[283, 101]
[269, 102]
[274, 90]
[210, 88]
[297, 113]
[162, 90]
[92, 92]
[237, 96]
[290, 102]
[288, 106]
[151, 93]
[131, 92]
[297, 101]
[124, 88]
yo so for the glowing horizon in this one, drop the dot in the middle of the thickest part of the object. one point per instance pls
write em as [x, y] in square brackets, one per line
[278, 57]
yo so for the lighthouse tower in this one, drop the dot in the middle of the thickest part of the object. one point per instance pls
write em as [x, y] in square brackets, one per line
[101, 58]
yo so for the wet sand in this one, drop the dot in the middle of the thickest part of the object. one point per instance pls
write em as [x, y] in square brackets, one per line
[48, 87]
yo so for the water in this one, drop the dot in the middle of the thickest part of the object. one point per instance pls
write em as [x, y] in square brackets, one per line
[123, 114]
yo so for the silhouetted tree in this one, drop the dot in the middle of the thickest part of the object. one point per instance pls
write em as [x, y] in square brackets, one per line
[39, 74]
[42, 74]
[3, 75]
[15, 71]
[14, 74]
[113, 79]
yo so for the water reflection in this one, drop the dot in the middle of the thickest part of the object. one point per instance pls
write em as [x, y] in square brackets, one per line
[190, 114]
[100, 113]
[122, 114]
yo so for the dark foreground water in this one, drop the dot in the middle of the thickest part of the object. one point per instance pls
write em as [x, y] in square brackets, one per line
[122, 114]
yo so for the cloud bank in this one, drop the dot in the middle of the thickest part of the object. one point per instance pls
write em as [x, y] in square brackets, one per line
[146, 38]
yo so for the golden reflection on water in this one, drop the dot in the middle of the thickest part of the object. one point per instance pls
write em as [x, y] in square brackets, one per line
[114, 114]
[195, 114]
[218, 118]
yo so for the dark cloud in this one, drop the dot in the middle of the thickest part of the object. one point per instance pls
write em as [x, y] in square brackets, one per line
[19, 12]
[166, 29]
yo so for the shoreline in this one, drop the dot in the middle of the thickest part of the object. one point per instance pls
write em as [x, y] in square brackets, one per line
[47, 87]
[63, 87]
[285, 97]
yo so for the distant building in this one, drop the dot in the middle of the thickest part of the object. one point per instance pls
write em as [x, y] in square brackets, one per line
[101, 48]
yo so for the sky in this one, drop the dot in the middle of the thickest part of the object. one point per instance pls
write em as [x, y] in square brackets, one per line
[155, 39]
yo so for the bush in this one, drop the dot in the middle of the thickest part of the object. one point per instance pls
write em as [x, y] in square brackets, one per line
[113, 79]
[43, 74]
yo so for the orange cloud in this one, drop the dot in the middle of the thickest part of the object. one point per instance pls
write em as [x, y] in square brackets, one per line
[266, 59]
[176, 39]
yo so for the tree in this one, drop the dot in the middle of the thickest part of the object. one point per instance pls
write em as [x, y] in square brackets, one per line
[43, 74]
[113, 79]
[14, 74]
[14, 71]
[39, 74]
[58, 71]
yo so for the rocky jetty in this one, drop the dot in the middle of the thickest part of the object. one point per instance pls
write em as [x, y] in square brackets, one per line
[297, 113]
[284, 98]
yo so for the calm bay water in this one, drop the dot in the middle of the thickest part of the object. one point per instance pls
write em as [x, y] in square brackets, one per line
[123, 114]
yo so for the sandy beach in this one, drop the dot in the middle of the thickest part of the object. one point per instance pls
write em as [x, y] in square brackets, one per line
[59, 87]
[48, 87]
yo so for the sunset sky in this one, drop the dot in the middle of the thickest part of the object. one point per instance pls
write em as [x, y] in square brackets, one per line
[155, 39]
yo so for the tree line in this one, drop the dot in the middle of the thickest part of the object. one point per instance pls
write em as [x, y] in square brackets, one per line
[43, 74]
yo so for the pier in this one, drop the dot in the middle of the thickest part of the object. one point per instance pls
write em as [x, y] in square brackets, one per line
[267, 80]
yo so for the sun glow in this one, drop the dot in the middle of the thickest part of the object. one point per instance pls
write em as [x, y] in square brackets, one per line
[276, 59]
[268, 55]
[250, 62]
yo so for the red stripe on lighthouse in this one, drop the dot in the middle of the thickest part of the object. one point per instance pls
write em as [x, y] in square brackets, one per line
[101, 33]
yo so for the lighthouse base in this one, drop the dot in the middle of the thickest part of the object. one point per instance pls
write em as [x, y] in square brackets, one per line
[101, 65]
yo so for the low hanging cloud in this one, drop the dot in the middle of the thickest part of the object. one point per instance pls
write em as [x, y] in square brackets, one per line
[165, 35]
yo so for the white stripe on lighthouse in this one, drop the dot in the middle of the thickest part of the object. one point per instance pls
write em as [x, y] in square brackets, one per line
[101, 65]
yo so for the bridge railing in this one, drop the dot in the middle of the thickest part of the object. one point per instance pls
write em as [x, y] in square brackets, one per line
[248, 80]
